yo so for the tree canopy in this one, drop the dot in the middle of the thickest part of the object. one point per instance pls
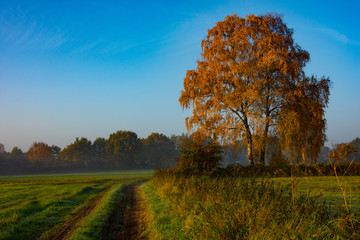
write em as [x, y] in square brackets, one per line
[80, 151]
[16, 152]
[40, 152]
[159, 151]
[250, 84]
[122, 146]
[342, 152]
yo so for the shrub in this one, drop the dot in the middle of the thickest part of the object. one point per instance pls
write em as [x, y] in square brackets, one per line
[199, 158]
[278, 160]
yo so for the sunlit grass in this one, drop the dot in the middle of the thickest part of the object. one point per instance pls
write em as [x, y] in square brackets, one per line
[90, 227]
[327, 188]
[31, 206]
[205, 207]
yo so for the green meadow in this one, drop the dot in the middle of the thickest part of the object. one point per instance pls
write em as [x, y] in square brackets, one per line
[327, 188]
[203, 207]
[31, 207]
[178, 207]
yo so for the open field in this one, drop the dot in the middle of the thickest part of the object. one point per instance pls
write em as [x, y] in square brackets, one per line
[74, 206]
[241, 208]
[327, 188]
[98, 206]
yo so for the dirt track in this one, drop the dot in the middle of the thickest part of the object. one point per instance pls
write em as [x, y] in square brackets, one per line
[74, 222]
[127, 221]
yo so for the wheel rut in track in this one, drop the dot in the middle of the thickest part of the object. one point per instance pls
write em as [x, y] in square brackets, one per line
[74, 222]
[127, 220]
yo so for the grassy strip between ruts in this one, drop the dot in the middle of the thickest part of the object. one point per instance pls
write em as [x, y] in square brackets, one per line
[235, 208]
[91, 226]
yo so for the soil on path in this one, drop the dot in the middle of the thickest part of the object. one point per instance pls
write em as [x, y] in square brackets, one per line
[127, 221]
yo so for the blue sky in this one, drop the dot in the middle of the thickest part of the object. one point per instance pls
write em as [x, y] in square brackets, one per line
[89, 68]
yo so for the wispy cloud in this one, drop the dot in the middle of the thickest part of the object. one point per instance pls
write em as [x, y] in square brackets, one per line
[118, 47]
[103, 46]
[342, 38]
[85, 47]
[22, 32]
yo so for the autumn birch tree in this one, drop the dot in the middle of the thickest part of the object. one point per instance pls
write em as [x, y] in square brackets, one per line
[250, 84]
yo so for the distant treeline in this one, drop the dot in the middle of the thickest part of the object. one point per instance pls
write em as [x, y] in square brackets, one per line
[124, 150]
[342, 152]
[301, 170]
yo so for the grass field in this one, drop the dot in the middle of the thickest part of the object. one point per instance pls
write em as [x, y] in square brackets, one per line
[327, 188]
[243, 208]
[79, 206]
[33, 207]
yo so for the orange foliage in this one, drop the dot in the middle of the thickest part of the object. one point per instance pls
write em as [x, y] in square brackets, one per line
[342, 151]
[249, 77]
[39, 152]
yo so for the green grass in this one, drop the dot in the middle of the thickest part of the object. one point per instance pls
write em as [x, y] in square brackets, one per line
[241, 208]
[31, 206]
[327, 188]
[164, 223]
[92, 226]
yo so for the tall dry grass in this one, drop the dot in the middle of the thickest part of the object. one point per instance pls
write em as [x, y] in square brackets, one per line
[237, 208]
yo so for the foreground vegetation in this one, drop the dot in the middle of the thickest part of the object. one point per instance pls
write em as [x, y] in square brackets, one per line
[205, 207]
[182, 206]
[34, 207]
